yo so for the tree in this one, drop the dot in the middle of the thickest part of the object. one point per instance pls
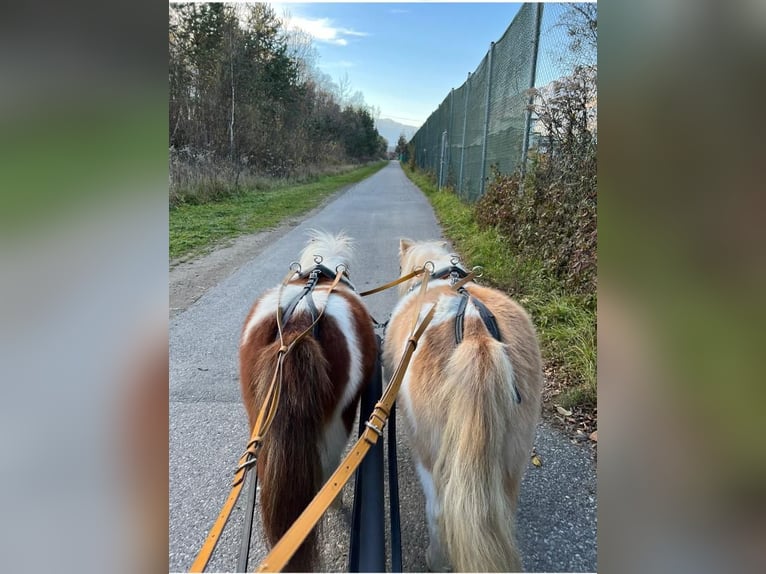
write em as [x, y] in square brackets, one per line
[401, 145]
[245, 93]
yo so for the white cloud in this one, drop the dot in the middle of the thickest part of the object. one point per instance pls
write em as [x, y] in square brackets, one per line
[322, 30]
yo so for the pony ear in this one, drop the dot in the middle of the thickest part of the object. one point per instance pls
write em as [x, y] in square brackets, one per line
[405, 245]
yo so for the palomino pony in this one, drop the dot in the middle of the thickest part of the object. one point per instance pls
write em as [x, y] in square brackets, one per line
[322, 381]
[472, 399]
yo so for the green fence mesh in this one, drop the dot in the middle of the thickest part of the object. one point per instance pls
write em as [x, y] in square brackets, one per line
[482, 123]
[487, 122]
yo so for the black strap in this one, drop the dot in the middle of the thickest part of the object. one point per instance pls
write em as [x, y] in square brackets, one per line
[442, 273]
[489, 322]
[320, 269]
[313, 279]
[489, 319]
[247, 526]
[460, 315]
[314, 314]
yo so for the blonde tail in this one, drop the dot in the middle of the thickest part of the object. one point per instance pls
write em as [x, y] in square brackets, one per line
[476, 524]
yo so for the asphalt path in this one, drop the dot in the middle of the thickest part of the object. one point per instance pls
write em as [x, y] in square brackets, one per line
[208, 427]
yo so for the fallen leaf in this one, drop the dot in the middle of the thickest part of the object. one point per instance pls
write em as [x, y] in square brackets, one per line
[594, 436]
[536, 460]
[563, 411]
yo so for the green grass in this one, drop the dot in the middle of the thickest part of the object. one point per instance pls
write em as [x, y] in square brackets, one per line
[195, 229]
[566, 323]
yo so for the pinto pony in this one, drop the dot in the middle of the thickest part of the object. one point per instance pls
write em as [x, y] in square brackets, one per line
[322, 381]
[472, 400]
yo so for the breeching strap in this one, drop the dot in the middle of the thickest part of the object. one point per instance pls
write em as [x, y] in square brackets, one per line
[281, 553]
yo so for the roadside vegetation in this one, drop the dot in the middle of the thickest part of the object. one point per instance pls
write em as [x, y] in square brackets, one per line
[566, 321]
[196, 227]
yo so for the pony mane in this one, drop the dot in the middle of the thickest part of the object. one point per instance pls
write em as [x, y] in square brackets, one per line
[416, 253]
[333, 249]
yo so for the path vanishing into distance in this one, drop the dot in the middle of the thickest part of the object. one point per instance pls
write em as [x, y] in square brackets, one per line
[208, 425]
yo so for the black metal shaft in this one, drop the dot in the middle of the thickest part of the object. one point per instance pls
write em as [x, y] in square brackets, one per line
[247, 526]
[368, 544]
[393, 492]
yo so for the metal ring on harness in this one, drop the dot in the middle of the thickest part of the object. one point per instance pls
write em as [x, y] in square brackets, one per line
[478, 271]
[341, 266]
[429, 266]
[295, 266]
[454, 260]
[318, 259]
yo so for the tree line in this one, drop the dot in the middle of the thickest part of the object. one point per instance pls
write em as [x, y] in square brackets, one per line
[245, 94]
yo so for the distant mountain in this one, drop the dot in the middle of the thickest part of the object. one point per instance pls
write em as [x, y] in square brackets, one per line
[391, 130]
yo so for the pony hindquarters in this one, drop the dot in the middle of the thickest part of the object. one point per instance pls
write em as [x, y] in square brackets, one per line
[289, 466]
[321, 382]
[470, 435]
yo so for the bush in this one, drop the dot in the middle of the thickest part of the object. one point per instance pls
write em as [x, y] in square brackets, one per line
[553, 218]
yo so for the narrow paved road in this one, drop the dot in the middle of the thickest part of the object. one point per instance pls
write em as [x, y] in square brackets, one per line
[208, 427]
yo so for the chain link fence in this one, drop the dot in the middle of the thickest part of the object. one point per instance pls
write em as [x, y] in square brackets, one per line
[486, 122]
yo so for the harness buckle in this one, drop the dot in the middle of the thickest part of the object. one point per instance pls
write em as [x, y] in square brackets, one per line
[377, 430]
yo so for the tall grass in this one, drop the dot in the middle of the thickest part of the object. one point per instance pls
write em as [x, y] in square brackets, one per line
[199, 178]
[197, 227]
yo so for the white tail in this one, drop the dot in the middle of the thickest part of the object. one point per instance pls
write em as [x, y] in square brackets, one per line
[476, 524]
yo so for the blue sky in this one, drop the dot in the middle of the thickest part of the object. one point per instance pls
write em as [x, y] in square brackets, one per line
[403, 57]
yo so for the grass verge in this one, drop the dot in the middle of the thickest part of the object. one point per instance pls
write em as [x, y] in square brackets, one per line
[194, 229]
[566, 324]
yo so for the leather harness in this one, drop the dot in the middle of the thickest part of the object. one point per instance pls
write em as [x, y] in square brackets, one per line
[455, 273]
[312, 280]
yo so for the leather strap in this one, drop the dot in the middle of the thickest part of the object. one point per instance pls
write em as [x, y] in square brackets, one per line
[260, 428]
[489, 319]
[281, 553]
[460, 316]
[393, 283]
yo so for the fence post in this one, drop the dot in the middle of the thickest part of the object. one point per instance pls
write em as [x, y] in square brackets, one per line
[449, 131]
[462, 145]
[531, 102]
[486, 121]
[441, 159]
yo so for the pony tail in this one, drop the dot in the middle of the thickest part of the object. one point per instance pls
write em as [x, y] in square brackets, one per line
[290, 465]
[476, 524]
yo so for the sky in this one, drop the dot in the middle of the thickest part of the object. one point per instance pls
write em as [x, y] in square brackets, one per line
[403, 57]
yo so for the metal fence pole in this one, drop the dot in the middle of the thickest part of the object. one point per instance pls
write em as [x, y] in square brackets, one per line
[530, 103]
[449, 132]
[441, 159]
[462, 145]
[486, 121]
